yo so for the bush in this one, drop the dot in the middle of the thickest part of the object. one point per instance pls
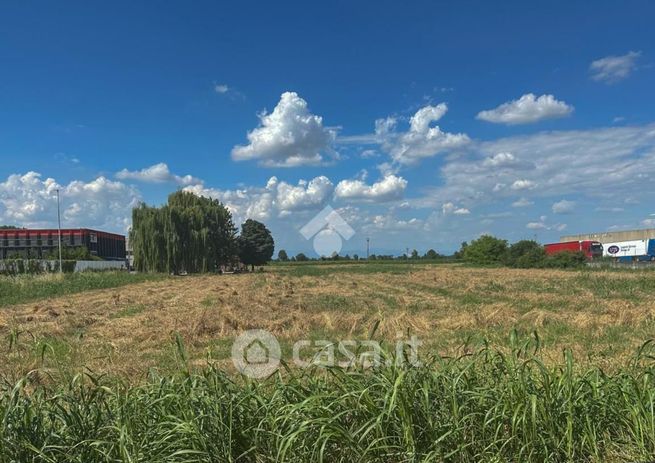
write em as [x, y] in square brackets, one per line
[15, 267]
[526, 254]
[486, 250]
[300, 257]
[566, 259]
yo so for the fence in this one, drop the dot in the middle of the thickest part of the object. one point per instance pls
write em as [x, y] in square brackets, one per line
[14, 267]
[632, 265]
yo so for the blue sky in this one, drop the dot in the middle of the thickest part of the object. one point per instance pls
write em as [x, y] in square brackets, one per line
[422, 124]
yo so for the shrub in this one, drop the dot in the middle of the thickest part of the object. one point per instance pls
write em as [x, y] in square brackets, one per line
[566, 259]
[13, 267]
[526, 254]
[486, 250]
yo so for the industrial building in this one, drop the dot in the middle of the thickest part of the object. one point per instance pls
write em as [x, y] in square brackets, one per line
[37, 244]
[611, 237]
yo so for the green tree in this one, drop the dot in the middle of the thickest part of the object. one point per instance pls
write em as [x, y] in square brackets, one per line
[485, 250]
[188, 234]
[414, 254]
[282, 256]
[300, 257]
[70, 253]
[255, 243]
[526, 254]
[431, 254]
[460, 254]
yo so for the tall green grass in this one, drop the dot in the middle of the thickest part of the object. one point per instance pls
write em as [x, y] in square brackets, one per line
[487, 407]
[26, 288]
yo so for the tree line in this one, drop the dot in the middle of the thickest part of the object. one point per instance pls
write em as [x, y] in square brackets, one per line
[431, 254]
[195, 234]
[489, 250]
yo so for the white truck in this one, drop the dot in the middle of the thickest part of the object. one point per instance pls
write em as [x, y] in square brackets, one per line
[630, 250]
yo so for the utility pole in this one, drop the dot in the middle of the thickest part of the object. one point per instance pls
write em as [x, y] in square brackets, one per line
[368, 243]
[61, 269]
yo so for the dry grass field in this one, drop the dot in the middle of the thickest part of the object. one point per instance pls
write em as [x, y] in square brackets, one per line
[127, 331]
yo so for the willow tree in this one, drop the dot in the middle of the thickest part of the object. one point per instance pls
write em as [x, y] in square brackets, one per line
[188, 234]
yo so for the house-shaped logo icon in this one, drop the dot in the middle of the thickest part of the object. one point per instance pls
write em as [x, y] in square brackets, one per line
[256, 353]
[327, 228]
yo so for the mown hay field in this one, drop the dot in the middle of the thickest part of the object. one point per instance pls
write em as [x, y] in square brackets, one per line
[519, 365]
[601, 316]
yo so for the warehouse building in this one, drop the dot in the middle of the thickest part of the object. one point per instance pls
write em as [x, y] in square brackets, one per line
[611, 237]
[37, 244]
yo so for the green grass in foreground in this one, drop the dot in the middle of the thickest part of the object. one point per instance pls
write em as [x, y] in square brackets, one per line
[488, 407]
[26, 288]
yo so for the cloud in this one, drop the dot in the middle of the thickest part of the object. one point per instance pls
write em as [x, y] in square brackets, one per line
[221, 88]
[450, 208]
[527, 110]
[245, 203]
[523, 202]
[158, 173]
[542, 225]
[536, 226]
[390, 188]
[276, 199]
[29, 200]
[523, 184]
[422, 140]
[563, 207]
[227, 91]
[612, 69]
[367, 154]
[290, 136]
[607, 164]
[391, 223]
[648, 222]
[302, 196]
[500, 160]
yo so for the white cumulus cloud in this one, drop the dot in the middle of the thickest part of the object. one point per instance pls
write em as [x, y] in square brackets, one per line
[527, 110]
[522, 202]
[289, 136]
[391, 187]
[563, 207]
[29, 200]
[302, 196]
[158, 173]
[500, 160]
[276, 199]
[612, 69]
[450, 208]
[536, 226]
[523, 184]
[422, 140]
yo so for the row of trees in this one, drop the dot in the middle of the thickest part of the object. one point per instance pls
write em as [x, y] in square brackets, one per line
[431, 254]
[195, 234]
[489, 250]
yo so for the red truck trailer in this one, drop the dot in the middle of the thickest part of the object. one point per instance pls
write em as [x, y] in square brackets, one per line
[591, 249]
